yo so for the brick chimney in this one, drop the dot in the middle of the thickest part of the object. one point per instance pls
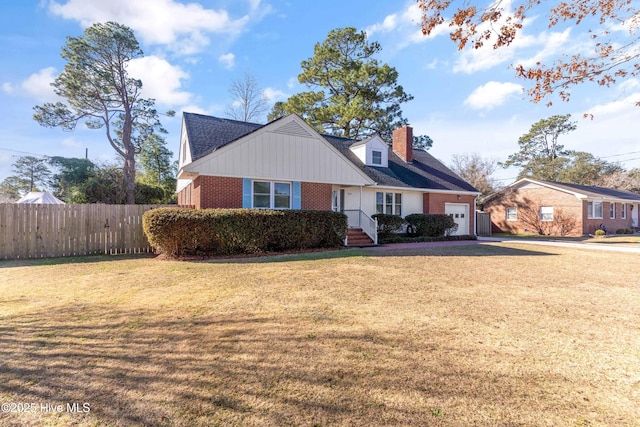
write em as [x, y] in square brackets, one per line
[403, 143]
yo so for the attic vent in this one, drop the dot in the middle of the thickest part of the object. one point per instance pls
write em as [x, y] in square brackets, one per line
[293, 128]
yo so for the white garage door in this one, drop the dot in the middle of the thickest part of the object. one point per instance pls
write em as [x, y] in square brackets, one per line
[460, 214]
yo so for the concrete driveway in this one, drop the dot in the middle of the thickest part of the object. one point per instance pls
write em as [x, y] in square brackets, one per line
[483, 240]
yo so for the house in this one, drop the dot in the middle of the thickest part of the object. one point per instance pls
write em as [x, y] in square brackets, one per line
[530, 205]
[286, 164]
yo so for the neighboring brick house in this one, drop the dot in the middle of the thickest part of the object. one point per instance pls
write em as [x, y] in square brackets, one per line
[530, 206]
[286, 164]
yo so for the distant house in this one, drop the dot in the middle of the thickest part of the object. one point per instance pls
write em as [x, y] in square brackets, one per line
[561, 208]
[286, 164]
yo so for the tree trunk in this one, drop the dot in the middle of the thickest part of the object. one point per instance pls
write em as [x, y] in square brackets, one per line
[130, 177]
[129, 169]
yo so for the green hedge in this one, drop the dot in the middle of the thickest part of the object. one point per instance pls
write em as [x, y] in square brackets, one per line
[428, 225]
[181, 231]
[389, 224]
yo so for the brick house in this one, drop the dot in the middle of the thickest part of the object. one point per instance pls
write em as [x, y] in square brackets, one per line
[560, 208]
[286, 164]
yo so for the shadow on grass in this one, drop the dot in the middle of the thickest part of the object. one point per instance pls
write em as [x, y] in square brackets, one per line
[139, 368]
[36, 262]
[459, 250]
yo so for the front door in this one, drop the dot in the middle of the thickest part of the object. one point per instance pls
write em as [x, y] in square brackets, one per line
[460, 214]
[337, 200]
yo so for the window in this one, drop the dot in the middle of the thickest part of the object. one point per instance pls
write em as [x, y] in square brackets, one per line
[397, 205]
[271, 195]
[623, 208]
[612, 210]
[512, 214]
[594, 210]
[546, 213]
[389, 203]
[376, 157]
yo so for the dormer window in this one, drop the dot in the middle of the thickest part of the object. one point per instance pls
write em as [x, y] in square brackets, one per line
[372, 152]
[376, 157]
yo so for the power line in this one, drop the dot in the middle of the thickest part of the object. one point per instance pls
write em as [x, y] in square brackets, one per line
[618, 155]
[24, 152]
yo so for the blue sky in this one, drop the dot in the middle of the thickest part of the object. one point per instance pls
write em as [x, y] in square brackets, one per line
[468, 102]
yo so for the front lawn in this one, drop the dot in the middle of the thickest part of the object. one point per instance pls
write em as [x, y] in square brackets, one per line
[486, 335]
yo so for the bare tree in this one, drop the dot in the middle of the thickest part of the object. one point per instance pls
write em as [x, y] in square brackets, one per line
[249, 101]
[476, 171]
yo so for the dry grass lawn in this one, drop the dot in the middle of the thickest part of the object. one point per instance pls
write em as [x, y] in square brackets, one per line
[484, 335]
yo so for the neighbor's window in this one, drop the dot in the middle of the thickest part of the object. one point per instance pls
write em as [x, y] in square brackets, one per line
[594, 210]
[389, 203]
[623, 208]
[612, 210]
[271, 195]
[376, 157]
[512, 214]
[546, 213]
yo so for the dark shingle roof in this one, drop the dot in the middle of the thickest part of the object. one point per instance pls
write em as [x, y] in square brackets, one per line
[593, 191]
[207, 133]
[424, 172]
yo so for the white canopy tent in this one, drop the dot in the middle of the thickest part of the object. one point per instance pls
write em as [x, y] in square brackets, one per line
[42, 198]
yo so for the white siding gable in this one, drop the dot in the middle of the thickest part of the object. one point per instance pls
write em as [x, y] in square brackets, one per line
[287, 149]
[365, 150]
[184, 156]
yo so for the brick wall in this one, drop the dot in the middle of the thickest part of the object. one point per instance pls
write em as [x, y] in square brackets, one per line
[217, 192]
[434, 203]
[185, 196]
[611, 225]
[315, 196]
[528, 202]
[223, 192]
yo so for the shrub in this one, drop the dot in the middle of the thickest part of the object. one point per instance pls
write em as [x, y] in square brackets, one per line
[600, 232]
[180, 231]
[429, 225]
[389, 224]
[621, 231]
[628, 231]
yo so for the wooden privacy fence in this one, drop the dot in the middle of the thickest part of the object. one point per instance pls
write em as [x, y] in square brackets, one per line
[483, 224]
[38, 231]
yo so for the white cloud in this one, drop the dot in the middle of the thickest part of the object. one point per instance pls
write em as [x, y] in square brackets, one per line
[552, 44]
[194, 109]
[404, 28]
[182, 27]
[8, 88]
[292, 82]
[228, 60]
[492, 94]
[38, 85]
[160, 80]
[275, 95]
[545, 43]
[389, 23]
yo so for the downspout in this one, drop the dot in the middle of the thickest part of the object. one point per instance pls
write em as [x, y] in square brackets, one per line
[475, 216]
